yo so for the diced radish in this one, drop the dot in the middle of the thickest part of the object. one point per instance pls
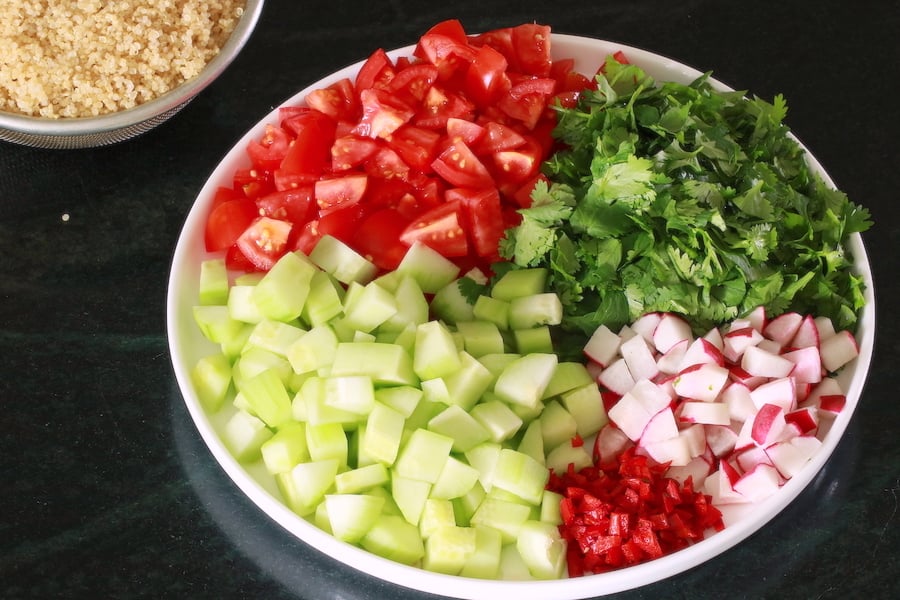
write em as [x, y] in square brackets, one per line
[639, 358]
[636, 407]
[838, 350]
[803, 390]
[701, 351]
[749, 458]
[701, 382]
[720, 439]
[594, 369]
[626, 333]
[697, 469]
[705, 413]
[780, 392]
[807, 364]
[736, 341]
[825, 328]
[664, 381]
[609, 443]
[736, 396]
[759, 362]
[661, 426]
[714, 337]
[616, 377]
[832, 403]
[789, 457]
[768, 424]
[670, 330]
[670, 361]
[759, 483]
[645, 325]
[806, 420]
[718, 487]
[739, 375]
[784, 327]
[757, 318]
[807, 334]
[602, 346]
[673, 450]
[829, 386]
[695, 436]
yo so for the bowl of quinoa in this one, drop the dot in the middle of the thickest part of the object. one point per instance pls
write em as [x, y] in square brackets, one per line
[88, 73]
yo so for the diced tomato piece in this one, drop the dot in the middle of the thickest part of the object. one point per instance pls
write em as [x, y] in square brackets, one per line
[531, 44]
[236, 261]
[253, 182]
[227, 221]
[483, 218]
[341, 223]
[295, 205]
[387, 164]
[378, 238]
[382, 114]
[223, 194]
[264, 241]
[416, 146]
[486, 76]
[338, 101]
[339, 192]
[459, 166]
[350, 151]
[412, 83]
[498, 137]
[451, 28]
[439, 106]
[528, 108]
[268, 152]
[522, 196]
[440, 228]
[520, 164]
[376, 72]
[467, 131]
[310, 153]
[446, 52]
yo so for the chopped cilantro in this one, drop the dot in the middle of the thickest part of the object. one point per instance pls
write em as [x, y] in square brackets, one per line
[671, 197]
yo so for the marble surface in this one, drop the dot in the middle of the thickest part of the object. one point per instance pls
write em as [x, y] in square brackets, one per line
[107, 490]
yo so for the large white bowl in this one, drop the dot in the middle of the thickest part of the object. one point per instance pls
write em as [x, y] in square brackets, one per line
[187, 345]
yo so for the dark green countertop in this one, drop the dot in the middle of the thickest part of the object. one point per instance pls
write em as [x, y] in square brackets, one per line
[108, 491]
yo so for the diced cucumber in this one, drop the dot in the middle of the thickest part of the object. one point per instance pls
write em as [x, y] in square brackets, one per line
[341, 261]
[313, 350]
[316, 411]
[497, 418]
[532, 442]
[325, 300]
[436, 513]
[534, 339]
[254, 361]
[244, 434]
[449, 304]
[456, 479]
[351, 393]
[585, 404]
[351, 516]
[484, 458]
[386, 364]
[234, 345]
[435, 391]
[466, 505]
[412, 306]
[512, 566]
[423, 456]
[524, 380]
[557, 425]
[241, 305]
[274, 336]
[268, 398]
[410, 496]
[542, 549]
[428, 267]
[213, 282]
[361, 479]
[402, 398]
[369, 308]
[519, 474]
[384, 430]
[286, 448]
[518, 283]
[393, 538]
[281, 293]
[567, 376]
[457, 424]
[424, 411]
[505, 517]
[211, 377]
[216, 323]
[435, 354]
[488, 308]
[560, 457]
[327, 442]
[481, 338]
[484, 562]
[309, 482]
[448, 549]
[467, 384]
[550, 508]
[535, 310]
[495, 363]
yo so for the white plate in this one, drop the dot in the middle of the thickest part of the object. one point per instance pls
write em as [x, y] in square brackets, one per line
[187, 345]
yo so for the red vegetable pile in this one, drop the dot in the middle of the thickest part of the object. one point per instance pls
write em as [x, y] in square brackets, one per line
[626, 511]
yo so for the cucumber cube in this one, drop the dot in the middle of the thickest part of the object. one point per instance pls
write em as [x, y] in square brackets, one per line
[216, 323]
[315, 410]
[512, 566]
[361, 479]
[521, 475]
[542, 549]
[560, 457]
[484, 458]
[244, 434]
[535, 310]
[532, 442]
[267, 397]
[423, 456]
[281, 293]
[466, 505]
[351, 516]
[497, 418]
[412, 306]
[480, 338]
[308, 483]
[456, 479]
[327, 442]
[213, 282]
[402, 398]
[351, 393]
[495, 363]
[436, 514]
[488, 308]
[410, 496]
[557, 425]
[524, 380]
[568, 376]
[428, 267]
[506, 517]
[519, 283]
[484, 562]
[455, 423]
[274, 336]
[241, 304]
[341, 261]
[325, 300]
[450, 305]
[550, 508]
[393, 538]
[435, 353]
[448, 549]
[384, 432]
[211, 377]
[386, 364]
[369, 308]
[286, 448]
[585, 404]
[534, 339]
[469, 382]
[313, 350]
[254, 361]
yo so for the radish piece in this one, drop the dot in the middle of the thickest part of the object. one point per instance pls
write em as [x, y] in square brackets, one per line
[661, 426]
[757, 318]
[770, 346]
[645, 325]
[697, 470]
[610, 442]
[768, 424]
[829, 386]
[783, 328]
[807, 334]
[594, 369]
[635, 408]
[674, 451]
[736, 342]
[718, 487]
[705, 413]
[739, 375]
[736, 396]
[664, 382]
[670, 330]
[759, 483]
[832, 403]
[701, 351]
[838, 350]
[749, 458]
[626, 333]
[670, 361]
[695, 436]
[616, 377]
[720, 439]
[759, 362]
[701, 382]
[639, 358]
[806, 420]
[714, 337]
[780, 392]
[602, 346]
[825, 327]
[807, 364]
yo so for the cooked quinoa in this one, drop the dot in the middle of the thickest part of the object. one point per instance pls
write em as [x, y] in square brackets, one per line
[82, 58]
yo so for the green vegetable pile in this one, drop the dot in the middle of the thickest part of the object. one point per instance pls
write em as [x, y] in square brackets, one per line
[682, 198]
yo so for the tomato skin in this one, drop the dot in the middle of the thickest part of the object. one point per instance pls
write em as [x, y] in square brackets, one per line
[486, 76]
[377, 71]
[264, 242]
[483, 219]
[531, 43]
[338, 101]
[440, 105]
[350, 151]
[416, 146]
[310, 153]
[378, 238]
[253, 183]
[268, 152]
[382, 114]
[412, 83]
[497, 138]
[227, 221]
[295, 205]
[469, 132]
[459, 166]
[441, 228]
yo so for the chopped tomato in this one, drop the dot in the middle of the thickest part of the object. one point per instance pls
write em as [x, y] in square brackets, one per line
[531, 43]
[416, 146]
[387, 164]
[519, 164]
[295, 205]
[382, 114]
[446, 52]
[349, 151]
[486, 76]
[460, 167]
[441, 105]
[310, 153]
[268, 152]
[522, 196]
[252, 182]
[412, 83]
[378, 238]
[338, 101]
[264, 241]
[483, 219]
[339, 192]
[440, 228]
[498, 137]
[376, 72]
[227, 221]
[469, 132]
